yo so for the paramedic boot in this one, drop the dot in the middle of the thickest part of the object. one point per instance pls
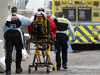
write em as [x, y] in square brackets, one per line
[8, 69]
[18, 68]
[64, 66]
[58, 67]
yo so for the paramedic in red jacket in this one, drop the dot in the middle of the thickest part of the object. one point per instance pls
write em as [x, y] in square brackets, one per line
[51, 23]
[52, 27]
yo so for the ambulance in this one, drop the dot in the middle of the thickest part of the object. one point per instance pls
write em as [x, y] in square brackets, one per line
[84, 16]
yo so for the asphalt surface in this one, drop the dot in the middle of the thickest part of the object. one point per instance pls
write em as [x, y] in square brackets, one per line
[79, 63]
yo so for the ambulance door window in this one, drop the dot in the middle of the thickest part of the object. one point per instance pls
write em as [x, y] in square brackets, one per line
[70, 13]
[84, 13]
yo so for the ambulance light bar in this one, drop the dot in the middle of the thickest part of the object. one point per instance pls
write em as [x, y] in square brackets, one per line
[89, 2]
[83, 2]
[69, 2]
[96, 2]
[57, 2]
[77, 2]
[63, 2]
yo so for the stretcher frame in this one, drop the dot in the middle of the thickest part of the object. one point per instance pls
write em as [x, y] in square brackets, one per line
[43, 45]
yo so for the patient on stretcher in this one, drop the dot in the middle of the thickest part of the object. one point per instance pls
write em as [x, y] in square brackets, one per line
[38, 26]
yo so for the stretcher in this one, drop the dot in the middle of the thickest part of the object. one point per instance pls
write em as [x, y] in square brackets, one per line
[40, 36]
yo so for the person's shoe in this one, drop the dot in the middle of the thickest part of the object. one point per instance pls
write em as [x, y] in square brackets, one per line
[64, 66]
[8, 69]
[19, 70]
[8, 72]
[18, 67]
[58, 68]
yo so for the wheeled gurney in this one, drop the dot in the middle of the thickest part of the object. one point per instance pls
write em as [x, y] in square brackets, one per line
[40, 36]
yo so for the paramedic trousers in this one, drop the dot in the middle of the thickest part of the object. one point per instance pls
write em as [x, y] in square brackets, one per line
[13, 38]
[61, 43]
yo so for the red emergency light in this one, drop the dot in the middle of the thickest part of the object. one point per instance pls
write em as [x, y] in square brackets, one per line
[57, 2]
[96, 2]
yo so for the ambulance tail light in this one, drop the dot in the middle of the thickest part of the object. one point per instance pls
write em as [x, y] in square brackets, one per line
[77, 2]
[96, 14]
[95, 36]
[57, 2]
[96, 2]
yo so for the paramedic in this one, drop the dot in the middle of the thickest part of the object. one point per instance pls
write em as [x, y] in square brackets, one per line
[13, 37]
[61, 40]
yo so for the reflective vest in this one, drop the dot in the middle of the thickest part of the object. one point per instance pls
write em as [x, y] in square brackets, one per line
[62, 24]
[14, 23]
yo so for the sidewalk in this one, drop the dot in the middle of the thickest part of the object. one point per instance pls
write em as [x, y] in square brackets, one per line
[80, 63]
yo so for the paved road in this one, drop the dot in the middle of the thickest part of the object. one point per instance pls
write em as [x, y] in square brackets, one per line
[79, 63]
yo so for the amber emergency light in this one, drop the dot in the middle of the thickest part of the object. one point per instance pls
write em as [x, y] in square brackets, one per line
[89, 2]
[63, 2]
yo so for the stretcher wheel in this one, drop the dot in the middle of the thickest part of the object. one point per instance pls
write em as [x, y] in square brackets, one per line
[29, 70]
[35, 68]
[53, 69]
[48, 70]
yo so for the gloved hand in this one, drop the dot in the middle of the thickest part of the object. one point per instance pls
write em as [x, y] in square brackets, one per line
[72, 40]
